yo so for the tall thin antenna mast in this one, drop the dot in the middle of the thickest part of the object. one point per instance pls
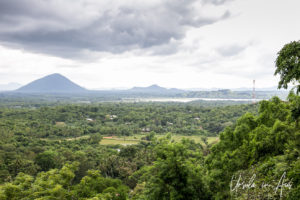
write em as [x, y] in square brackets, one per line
[253, 92]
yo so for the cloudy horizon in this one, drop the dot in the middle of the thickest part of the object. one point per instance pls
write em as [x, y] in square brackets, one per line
[122, 44]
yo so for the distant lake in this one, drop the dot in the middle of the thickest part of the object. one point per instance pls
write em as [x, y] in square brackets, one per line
[183, 100]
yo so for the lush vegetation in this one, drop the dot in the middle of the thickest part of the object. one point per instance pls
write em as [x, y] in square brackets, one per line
[121, 119]
[55, 152]
[39, 158]
[266, 145]
[288, 65]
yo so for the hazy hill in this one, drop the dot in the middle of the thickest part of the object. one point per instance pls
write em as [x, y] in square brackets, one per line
[54, 83]
[154, 89]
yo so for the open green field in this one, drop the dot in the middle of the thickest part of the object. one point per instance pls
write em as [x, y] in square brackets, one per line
[119, 140]
[129, 140]
[135, 139]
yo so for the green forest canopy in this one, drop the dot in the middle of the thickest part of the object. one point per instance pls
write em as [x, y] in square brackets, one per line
[261, 149]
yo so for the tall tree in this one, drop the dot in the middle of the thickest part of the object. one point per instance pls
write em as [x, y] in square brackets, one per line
[177, 173]
[288, 65]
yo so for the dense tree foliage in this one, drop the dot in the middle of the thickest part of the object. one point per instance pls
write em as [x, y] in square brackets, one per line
[267, 144]
[288, 65]
[177, 173]
[121, 119]
[53, 152]
[59, 184]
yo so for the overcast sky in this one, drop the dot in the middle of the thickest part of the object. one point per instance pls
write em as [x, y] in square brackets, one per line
[125, 43]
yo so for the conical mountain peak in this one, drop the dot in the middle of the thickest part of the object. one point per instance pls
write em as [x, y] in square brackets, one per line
[53, 83]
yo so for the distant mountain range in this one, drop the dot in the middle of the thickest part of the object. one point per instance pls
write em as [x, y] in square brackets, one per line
[57, 83]
[54, 83]
[154, 89]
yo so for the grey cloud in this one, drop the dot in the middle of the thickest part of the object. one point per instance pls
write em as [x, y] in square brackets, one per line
[68, 28]
[231, 50]
[217, 2]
